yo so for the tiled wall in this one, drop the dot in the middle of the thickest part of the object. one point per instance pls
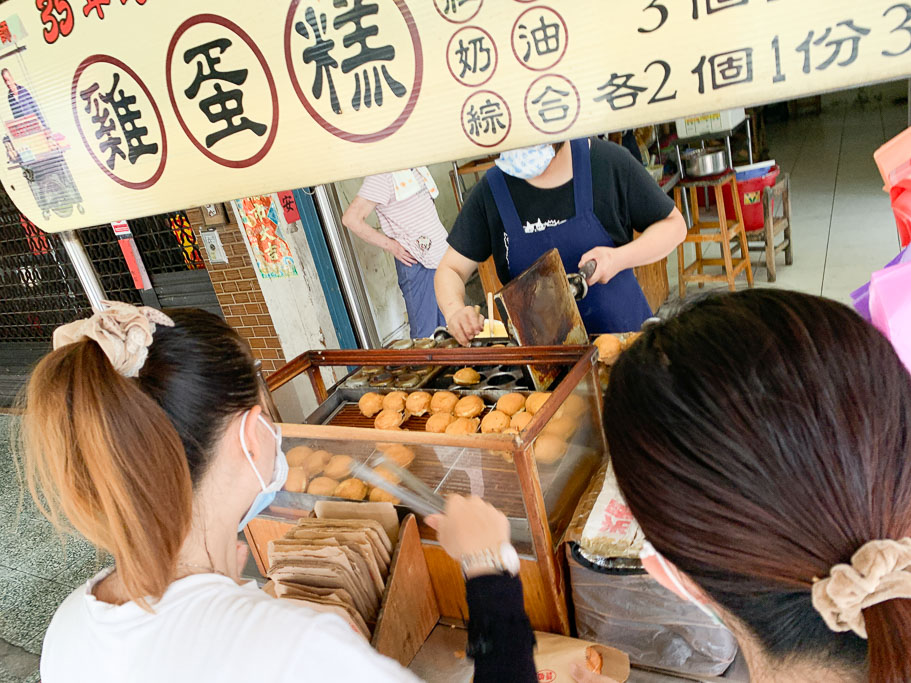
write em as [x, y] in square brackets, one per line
[239, 293]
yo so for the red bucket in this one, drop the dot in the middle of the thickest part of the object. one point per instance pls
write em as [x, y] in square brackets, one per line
[750, 199]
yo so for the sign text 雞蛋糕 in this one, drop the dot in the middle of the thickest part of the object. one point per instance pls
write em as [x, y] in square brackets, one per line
[126, 108]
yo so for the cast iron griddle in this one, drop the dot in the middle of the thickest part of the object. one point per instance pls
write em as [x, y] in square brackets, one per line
[540, 310]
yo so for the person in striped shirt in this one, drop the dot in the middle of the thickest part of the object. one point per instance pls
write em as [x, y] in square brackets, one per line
[411, 232]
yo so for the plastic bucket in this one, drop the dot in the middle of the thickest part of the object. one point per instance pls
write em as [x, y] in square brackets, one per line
[750, 199]
[752, 171]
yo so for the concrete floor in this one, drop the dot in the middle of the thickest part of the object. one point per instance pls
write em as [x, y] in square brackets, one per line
[842, 222]
[38, 569]
[843, 230]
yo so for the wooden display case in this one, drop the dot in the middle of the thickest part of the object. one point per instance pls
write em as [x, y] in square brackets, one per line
[538, 494]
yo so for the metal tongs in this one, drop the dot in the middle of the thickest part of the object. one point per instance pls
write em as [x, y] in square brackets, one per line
[418, 496]
[421, 498]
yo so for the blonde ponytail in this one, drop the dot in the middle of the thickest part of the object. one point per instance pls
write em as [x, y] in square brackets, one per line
[101, 452]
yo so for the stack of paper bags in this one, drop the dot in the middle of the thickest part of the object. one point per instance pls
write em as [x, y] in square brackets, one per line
[334, 565]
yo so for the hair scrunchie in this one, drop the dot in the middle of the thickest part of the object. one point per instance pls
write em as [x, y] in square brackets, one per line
[879, 571]
[123, 331]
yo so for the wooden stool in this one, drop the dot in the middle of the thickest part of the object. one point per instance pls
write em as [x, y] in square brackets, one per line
[776, 210]
[702, 232]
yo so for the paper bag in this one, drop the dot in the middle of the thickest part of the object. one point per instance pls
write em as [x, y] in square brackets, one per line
[555, 655]
[611, 530]
[384, 513]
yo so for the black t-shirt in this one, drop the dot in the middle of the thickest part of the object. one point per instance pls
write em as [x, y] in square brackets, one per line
[626, 199]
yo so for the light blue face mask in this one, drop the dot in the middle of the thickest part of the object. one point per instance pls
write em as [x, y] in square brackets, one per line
[525, 163]
[279, 471]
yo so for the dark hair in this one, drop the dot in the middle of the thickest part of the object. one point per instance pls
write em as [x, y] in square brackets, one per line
[558, 146]
[119, 457]
[760, 438]
[201, 372]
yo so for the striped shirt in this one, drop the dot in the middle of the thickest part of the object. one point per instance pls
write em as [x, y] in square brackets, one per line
[412, 222]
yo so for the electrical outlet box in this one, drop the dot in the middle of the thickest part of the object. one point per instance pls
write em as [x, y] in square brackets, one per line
[214, 248]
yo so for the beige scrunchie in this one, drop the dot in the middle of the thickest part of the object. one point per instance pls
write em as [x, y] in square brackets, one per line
[879, 571]
[123, 332]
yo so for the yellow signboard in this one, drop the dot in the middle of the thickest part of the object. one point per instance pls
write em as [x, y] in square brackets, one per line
[125, 108]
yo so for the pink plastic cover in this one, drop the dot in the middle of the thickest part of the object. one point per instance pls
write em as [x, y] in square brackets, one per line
[890, 307]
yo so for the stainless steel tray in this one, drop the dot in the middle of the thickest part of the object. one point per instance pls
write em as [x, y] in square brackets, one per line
[492, 377]
[326, 411]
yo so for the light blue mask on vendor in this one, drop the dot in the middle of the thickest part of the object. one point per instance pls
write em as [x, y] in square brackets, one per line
[279, 471]
[528, 162]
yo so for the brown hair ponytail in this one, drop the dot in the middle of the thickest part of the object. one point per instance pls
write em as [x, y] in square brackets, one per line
[761, 438]
[103, 453]
[889, 641]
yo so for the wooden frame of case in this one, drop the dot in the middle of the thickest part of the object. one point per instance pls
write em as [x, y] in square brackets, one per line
[543, 578]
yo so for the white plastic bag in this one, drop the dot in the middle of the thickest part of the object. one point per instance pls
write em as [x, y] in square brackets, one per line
[631, 612]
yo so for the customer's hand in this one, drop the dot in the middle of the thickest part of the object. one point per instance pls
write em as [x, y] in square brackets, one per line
[465, 324]
[469, 526]
[401, 253]
[608, 264]
[582, 675]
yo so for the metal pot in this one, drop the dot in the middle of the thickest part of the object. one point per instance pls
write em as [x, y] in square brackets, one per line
[705, 162]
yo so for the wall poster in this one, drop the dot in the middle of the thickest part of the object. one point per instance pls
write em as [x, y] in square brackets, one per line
[259, 219]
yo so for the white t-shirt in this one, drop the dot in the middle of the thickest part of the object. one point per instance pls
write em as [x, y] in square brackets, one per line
[206, 628]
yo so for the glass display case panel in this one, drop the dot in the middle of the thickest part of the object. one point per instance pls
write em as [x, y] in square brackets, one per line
[535, 475]
[568, 451]
[335, 469]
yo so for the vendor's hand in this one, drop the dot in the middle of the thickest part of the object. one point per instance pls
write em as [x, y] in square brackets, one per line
[608, 264]
[469, 526]
[581, 674]
[401, 253]
[465, 324]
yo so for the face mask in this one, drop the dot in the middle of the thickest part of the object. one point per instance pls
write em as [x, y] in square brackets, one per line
[279, 472]
[529, 162]
[659, 569]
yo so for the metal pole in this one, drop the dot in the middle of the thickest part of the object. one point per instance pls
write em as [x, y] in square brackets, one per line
[657, 145]
[460, 191]
[683, 190]
[88, 278]
[353, 289]
[750, 138]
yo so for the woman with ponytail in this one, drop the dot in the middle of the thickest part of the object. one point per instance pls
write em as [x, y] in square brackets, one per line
[763, 442]
[145, 433]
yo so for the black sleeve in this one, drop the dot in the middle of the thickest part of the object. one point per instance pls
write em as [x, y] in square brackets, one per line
[500, 637]
[647, 202]
[470, 235]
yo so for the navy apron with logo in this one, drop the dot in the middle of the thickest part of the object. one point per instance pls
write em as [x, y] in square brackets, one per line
[618, 306]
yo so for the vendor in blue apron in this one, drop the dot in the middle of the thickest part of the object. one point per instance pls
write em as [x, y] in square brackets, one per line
[586, 199]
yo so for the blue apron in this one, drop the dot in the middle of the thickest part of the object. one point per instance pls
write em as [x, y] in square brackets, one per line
[618, 306]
